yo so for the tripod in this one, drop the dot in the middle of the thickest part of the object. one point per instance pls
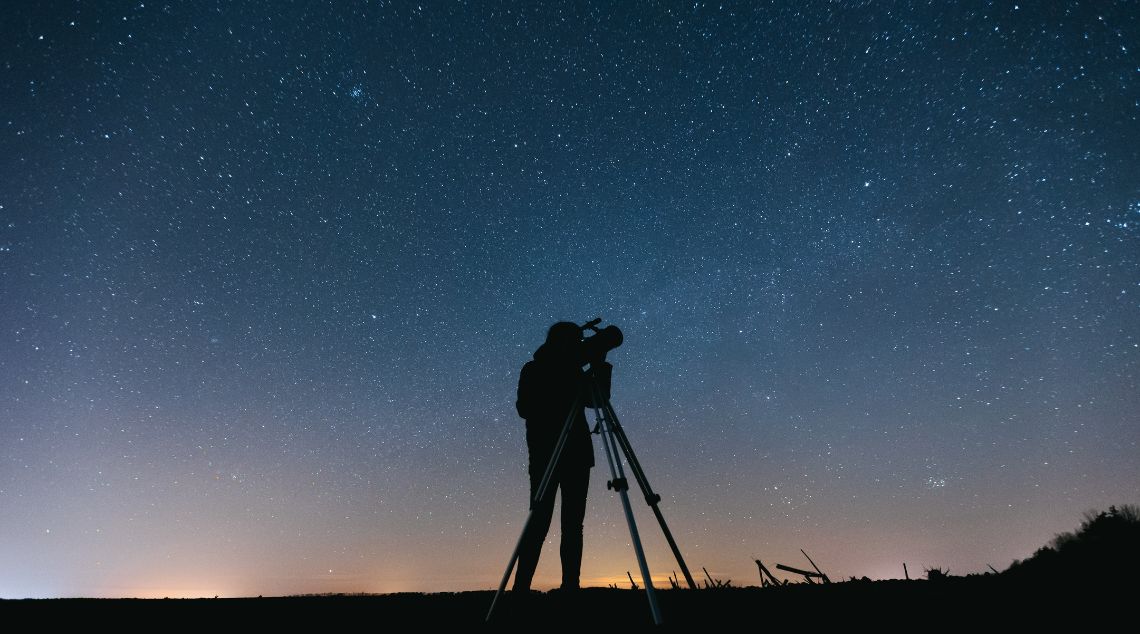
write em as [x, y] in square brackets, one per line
[613, 439]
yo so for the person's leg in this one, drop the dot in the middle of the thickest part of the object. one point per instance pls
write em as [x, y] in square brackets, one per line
[574, 486]
[530, 545]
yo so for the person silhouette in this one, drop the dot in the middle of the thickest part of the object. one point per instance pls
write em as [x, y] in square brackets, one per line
[549, 386]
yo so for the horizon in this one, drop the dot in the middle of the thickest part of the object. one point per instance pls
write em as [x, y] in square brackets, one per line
[270, 273]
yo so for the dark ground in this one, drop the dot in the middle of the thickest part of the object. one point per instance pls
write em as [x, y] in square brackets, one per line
[971, 602]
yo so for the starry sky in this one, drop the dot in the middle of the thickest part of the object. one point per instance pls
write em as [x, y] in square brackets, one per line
[269, 271]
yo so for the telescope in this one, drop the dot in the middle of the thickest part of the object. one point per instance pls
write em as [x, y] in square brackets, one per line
[602, 341]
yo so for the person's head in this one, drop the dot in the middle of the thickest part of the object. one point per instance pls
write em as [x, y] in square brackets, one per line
[564, 339]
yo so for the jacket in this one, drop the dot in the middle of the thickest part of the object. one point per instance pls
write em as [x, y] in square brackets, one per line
[548, 388]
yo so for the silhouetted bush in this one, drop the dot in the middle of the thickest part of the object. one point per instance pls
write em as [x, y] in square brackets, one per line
[936, 574]
[1106, 548]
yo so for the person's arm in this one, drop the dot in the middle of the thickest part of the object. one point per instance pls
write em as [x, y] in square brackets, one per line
[525, 403]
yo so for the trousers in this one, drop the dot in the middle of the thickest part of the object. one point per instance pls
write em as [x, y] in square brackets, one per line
[572, 484]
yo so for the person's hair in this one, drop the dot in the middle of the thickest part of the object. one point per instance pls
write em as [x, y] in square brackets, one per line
[564, 332]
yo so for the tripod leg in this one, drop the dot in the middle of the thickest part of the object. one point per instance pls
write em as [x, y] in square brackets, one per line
[622, 487]
[510, 567]
[539, 496]
[651, 498]
[554, 457]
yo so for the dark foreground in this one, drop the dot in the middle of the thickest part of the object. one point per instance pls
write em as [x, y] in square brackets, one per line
[973, 602]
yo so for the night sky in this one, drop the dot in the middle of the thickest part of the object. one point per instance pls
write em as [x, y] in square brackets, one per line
[269, 271]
